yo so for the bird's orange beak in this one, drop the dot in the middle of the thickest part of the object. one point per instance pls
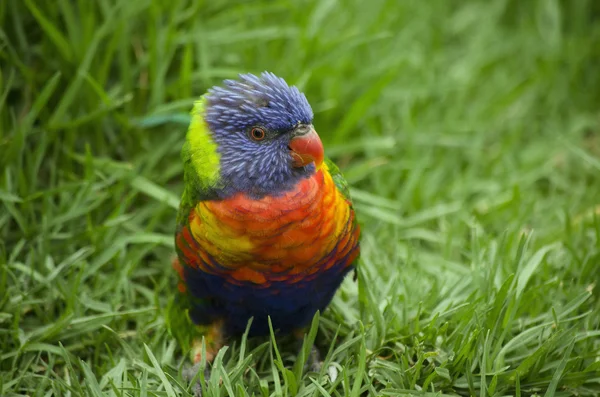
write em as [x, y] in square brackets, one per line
[306, 147]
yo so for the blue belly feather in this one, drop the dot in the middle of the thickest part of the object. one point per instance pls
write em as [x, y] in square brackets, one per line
[290, 306]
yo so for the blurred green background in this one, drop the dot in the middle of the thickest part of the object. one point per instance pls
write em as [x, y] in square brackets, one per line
[469, 131]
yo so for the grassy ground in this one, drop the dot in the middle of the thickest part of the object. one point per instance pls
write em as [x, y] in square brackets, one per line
[469, 131]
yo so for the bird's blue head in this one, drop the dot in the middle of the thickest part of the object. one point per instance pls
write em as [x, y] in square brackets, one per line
[262, 132]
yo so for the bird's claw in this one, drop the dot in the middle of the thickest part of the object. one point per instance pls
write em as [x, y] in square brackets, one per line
[189, 374]
[314, 362]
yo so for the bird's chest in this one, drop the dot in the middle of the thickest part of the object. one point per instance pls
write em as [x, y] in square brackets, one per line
[276, 238]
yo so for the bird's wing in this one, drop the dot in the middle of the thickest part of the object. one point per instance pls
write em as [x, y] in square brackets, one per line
[338, 179]
[342, 186]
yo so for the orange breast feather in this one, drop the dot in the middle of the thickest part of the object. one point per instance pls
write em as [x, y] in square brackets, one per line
[284, 238]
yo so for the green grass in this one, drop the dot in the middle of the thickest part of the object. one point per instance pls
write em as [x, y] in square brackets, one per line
[469, 131]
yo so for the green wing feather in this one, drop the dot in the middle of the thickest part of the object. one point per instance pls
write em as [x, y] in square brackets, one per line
[338, 179]
[344, 189]
[178, 322]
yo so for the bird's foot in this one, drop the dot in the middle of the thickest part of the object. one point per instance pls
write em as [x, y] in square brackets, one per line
[208, 345]
[314, 362]
[191, 374]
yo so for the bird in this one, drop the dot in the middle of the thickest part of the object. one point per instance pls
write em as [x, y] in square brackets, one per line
[266, 227]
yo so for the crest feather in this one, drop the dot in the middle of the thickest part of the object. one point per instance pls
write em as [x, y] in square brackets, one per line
[256, 100]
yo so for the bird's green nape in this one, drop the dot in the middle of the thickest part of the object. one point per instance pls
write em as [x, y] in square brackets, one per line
[200, 151]
[201, 160]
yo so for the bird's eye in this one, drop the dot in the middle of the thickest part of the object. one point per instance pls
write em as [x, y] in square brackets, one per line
[257, 133]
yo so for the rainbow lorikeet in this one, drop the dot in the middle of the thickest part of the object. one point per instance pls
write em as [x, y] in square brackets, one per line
[266, 225]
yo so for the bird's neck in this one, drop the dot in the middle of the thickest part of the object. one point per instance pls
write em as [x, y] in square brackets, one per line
[266, 185]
